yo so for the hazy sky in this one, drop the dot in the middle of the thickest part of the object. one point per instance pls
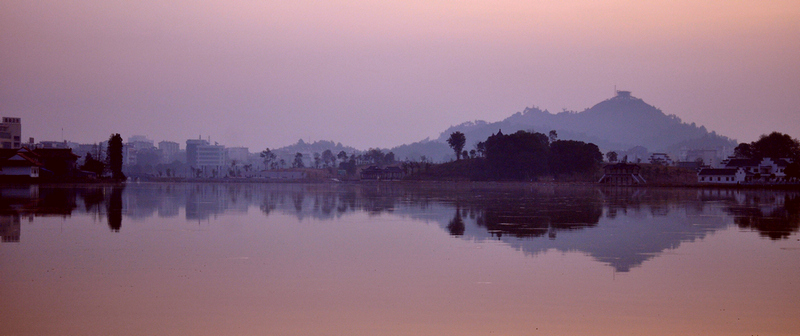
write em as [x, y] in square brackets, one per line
[382, 73]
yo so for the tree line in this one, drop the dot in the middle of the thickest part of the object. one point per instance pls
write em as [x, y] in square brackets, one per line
[775, 146]
[112, 163]
[528, 155]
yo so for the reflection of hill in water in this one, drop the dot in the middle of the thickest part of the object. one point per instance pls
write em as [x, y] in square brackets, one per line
[621, 227]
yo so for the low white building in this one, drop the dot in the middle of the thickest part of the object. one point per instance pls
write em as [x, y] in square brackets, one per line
[22, 164]
[661, 158]
[746, 171]
[722, 175]
[773, 170]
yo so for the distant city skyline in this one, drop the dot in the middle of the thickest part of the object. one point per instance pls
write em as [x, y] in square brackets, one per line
[381, 74]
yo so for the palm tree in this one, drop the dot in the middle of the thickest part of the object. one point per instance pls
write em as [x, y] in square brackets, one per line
[456, 142]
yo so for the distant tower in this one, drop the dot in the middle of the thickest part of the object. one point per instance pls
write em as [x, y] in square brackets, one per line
[623, 94]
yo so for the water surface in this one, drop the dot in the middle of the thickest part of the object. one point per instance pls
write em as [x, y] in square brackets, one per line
[397, 259]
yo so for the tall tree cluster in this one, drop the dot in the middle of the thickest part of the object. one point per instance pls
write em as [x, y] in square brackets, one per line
[527, 155]
[776, 145]
[115, 157]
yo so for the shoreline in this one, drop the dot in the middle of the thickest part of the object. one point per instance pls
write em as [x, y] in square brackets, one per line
[787, 187]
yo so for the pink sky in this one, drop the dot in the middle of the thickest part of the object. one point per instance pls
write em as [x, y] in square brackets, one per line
[382, 73]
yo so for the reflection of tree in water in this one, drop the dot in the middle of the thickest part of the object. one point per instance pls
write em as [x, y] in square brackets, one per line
[115, 208]
[297, 200]
[622, 200]
[456, 225]
[93, 198]
[59, 201]
[535, 213]
[268, 203]
[347, 202]
[771, 215]
[515, 210]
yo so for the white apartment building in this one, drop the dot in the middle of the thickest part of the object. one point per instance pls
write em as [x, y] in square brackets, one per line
[11, 133]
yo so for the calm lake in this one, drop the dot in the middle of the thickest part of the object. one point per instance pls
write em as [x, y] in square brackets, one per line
[397, 259]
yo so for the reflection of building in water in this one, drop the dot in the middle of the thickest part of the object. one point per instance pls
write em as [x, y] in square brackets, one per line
[617, 226]
[622, 174]
[204, 200]
[10, 228]
[168, 208]
[774, 215]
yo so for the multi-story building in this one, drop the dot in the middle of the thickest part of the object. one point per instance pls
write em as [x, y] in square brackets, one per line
[211, 155]
[140, 142]
[169, 150]
[11, 133]
[238, 154]
[209, 158]
[191, 150]
[52, 144]
[132, 148]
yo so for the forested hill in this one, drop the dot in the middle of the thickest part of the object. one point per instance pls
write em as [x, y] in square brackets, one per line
[618, 123]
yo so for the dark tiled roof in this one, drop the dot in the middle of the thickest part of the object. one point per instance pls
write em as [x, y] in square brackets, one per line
[715, 172]
[6, 153]
[64, 153]
[621, 166]
[742, 163]
[25, 162]
[782, 162]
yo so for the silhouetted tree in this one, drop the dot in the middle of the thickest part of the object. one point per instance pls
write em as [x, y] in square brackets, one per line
[349, 166]
[775, 145]
[792, 171]
[268, 157]
[317, 160]
[93, 165]
[375, 155]
[298, 161]
[569, 156]
[743, 151]
[481, 148]
[456, 142]
[522, 155]
[389, 158]
[115, 157]
[328, 158]
[611, 156]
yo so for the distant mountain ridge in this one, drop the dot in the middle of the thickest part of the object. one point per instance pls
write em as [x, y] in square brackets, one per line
[618, 123]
